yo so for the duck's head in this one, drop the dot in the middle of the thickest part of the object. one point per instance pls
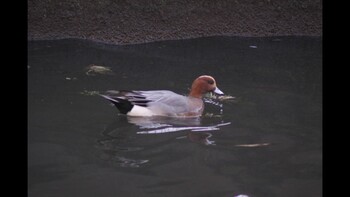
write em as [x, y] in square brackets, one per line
[202, 85]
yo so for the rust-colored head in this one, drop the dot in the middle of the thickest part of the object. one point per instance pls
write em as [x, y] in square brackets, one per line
[202, 85]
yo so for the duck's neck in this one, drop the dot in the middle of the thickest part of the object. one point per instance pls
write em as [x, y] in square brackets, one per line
[196, 92]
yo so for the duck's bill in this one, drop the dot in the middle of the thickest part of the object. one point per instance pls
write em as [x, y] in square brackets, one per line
[217, 91]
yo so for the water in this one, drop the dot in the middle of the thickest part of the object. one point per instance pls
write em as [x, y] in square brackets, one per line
[265, 142]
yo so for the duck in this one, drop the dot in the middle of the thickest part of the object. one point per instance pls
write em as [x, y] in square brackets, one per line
[167, 103]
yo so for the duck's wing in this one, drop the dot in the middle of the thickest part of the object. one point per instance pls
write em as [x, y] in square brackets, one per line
[158, 101]
[126, 96]
[163, 96]
[169, 103]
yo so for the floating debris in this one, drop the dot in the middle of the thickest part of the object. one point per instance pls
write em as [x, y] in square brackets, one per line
[211, 101]
[89, 93]
[253, 46]
[226, 97]
[252, 145]
[93, 70]
[71, 78]
[210, 95]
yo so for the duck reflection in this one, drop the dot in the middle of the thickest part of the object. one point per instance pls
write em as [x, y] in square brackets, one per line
[159, 122]
[158, 125]
[120, 145]
[197, 131]
[116, 147]
[202, 138]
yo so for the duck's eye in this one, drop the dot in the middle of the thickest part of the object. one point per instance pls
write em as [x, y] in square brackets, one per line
[211, 82]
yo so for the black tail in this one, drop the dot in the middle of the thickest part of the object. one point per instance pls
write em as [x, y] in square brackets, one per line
[124, 106]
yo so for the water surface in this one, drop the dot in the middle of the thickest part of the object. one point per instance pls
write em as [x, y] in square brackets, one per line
[267, 142]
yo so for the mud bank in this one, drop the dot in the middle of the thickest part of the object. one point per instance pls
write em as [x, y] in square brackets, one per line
[138, 21]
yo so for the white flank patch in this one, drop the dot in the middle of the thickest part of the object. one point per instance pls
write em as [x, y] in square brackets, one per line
[140, 111]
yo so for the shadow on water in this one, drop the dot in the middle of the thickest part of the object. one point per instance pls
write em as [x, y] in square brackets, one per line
[265, 142]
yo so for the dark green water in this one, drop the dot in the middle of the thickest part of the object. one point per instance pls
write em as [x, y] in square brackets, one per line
[78, 145]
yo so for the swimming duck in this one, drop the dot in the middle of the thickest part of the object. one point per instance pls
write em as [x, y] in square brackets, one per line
[164, 102]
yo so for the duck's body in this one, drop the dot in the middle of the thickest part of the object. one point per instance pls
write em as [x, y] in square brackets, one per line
[155, 103]
[164, 102]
